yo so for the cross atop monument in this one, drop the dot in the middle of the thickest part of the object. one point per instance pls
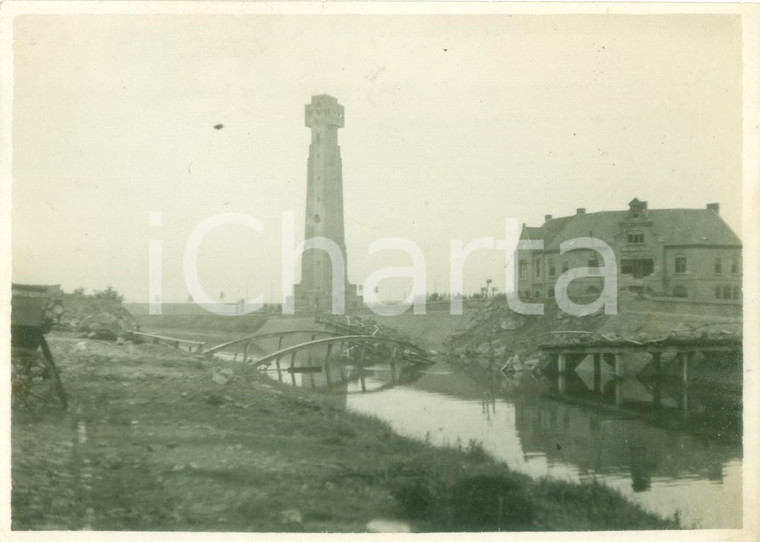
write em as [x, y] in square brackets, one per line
[324, 110]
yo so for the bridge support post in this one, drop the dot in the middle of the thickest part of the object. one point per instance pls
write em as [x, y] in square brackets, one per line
[598, 374]
[394, 351]
[292, 367]
[562, 372]
[683, 360]
[657, 381]
[340, 366]
[245, 352]
[619, 377]
[327, 366]
[279, 369]
[308, 363]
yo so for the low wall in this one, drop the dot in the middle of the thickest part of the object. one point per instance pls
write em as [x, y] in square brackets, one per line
[683, 306]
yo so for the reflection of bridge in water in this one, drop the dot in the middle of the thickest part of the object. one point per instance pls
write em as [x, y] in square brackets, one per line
[600, 443]
[328, 360]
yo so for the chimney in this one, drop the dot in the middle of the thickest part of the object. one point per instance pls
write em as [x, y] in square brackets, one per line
[714, 207]
[547, 218]
[580, 211]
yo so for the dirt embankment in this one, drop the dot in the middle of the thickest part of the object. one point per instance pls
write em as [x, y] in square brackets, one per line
[248, 323]
[498, 332]
[158, 439]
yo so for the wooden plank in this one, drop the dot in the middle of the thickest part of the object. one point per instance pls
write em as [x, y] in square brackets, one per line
[305, 370]
[171, 340]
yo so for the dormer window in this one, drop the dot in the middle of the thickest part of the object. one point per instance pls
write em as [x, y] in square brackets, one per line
[637, 208]
[636, 238]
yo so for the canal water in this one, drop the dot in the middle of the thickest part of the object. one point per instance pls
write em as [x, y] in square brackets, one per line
[668, 472]
[668, 468]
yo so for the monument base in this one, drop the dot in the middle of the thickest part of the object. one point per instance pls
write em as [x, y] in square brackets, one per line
[315, 300]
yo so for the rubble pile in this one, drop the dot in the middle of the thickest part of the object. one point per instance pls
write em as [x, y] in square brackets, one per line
[366, 326]
[498, 333]
[96, 317]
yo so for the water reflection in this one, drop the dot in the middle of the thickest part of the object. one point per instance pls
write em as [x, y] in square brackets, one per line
[339, 376]
[666, 468]
[705, 390]
[666, 471]
[599, 443]
[336, 368]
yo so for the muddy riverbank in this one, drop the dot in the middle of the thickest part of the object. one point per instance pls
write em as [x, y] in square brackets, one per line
[157, 439]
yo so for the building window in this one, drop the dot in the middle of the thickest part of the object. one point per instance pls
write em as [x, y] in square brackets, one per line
[538, 268]
[680, 264]
[523, 269]
[635, 238]
[537, 294]
[552, 270]
[680, 291]
[565, 267]
[717, 292]
[550, 292]
[726, 292]
[737, 292]
[718, 265]
[735, 264]
[639, 268]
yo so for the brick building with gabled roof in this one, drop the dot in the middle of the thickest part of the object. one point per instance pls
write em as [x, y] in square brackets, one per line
[679, 253]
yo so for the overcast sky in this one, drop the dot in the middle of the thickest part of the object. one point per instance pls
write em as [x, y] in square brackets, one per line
[453, 124]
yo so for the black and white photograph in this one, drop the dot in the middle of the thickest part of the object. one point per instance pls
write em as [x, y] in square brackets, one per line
[389, 268]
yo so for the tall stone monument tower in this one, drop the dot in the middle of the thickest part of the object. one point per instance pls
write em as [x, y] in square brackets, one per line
[324, 208]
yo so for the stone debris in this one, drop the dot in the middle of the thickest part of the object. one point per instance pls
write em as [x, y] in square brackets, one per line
[496, 333]
[291, 516]
[221, 376]
[100, 317]
[388, 526]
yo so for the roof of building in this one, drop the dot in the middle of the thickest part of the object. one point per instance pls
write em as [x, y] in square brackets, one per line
[680, 227]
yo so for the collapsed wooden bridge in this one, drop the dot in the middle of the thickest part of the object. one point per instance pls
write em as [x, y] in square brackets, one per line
[323, 346]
